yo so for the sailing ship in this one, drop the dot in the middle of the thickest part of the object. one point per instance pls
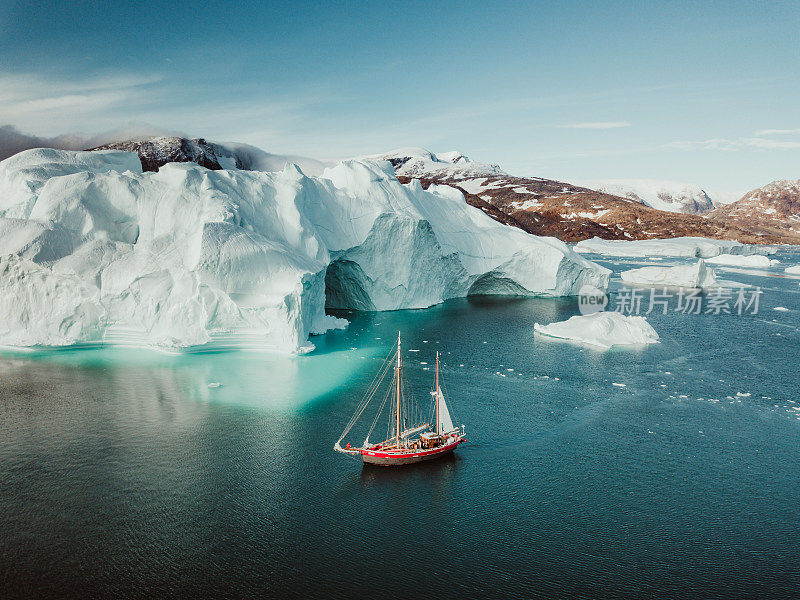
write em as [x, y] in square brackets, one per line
[409, 440]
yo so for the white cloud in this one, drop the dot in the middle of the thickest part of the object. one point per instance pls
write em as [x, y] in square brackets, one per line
[49, 105]
[758, 142]
[597, 125]
[711, 144]
[777, 131]
[728, 145]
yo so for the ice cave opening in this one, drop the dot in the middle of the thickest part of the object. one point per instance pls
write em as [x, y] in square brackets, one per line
[494, 284]
[345, 286]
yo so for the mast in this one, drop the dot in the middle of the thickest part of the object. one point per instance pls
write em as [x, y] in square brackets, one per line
[437, 392]
[397, 391]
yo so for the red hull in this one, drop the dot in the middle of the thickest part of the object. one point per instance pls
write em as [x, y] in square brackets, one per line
[392, 458]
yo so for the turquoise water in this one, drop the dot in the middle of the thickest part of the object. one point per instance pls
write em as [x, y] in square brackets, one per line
[123, 474]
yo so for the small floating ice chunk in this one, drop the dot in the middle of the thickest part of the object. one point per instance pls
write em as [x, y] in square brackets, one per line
[602, 329]
[413, 350]
[697, 275]
[755, 261]
[743, 394]
[214, 384]
[619, 384]
[781, 308]
[422, 362]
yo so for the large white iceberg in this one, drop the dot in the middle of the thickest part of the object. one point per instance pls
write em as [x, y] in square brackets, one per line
[689, 247]
[602, 329]
[94, 250]
[696, 275]
[793, 270]
[734, 260]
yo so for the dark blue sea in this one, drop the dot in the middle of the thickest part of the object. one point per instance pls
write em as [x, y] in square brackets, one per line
[124, 475]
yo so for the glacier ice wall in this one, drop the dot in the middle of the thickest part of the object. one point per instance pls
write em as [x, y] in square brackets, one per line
[93, 250]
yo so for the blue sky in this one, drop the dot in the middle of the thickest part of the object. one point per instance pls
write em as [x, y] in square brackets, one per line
[702, 92]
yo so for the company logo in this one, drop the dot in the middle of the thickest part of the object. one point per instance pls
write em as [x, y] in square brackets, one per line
[591, 300]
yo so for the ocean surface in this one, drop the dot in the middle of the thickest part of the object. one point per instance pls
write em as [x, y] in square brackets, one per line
[661, 472]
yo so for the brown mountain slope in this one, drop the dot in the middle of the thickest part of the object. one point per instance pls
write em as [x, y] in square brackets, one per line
[770, 210]
[572, 213]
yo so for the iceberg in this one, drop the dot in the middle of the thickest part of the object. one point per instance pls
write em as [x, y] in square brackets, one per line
[687, 247]
[753, 261]
[697, 275]
[793, 270]
[94, 250]
[602, 329]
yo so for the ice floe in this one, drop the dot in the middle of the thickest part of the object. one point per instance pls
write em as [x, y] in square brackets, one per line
[602, 329]
[691, 247]
[737, 260]
[697, 275]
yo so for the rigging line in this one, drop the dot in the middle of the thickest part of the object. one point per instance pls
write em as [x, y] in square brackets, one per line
[376, 382]
[380, 411]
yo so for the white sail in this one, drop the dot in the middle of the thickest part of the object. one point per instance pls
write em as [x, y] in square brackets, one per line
[445, 423]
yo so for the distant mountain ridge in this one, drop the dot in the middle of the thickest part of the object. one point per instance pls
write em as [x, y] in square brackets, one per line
[537, 205]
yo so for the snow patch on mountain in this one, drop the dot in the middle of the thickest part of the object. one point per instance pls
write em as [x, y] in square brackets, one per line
[419, 162]
[671, 196]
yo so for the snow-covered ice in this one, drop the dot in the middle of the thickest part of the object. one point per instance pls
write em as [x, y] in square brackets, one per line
[691, 247]
[734, 260]
[602, 329]
[94, 250]
[696, 275]
[793, 270]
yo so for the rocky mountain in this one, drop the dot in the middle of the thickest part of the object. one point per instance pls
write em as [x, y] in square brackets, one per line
[771, 210]
[563, 210]
[156, 152]
[670, 196]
